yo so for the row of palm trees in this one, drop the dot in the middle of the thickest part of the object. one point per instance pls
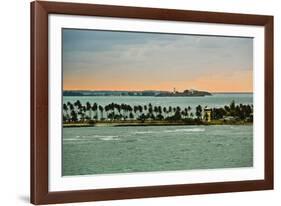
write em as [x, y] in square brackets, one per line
[238, 111]
[77, 112]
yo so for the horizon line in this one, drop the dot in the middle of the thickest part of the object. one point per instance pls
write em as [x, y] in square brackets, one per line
[105, 90]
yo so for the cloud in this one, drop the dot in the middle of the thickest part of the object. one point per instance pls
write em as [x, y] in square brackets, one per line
[152, 58]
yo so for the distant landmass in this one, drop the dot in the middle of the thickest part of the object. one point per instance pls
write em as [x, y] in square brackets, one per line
[185, 93]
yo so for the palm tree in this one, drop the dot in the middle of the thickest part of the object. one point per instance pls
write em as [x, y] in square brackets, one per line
[123, 108]
[112, 108]
[160, 109]
[140, 110]
[186, 112]
[136, 109]
[117, 106]
[111, 115]
[183, 113]
[227, 109]
[66, 115]
[89, 108]
[191, 115]
[107, 108]
[95, 109]
[131, 115]
[101, 111]
[73, 116]
[170, 110]
[232, 108]
[198, 112]
[78, 104]
[145, 108]
[150, 112]
[71, 107]
[232, 105]
[130, 109]
[160, 116]
[65, 108]
[165, 111]
[156, 110]
[82, 113]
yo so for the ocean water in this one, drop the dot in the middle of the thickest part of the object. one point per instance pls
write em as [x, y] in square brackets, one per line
[105, 150]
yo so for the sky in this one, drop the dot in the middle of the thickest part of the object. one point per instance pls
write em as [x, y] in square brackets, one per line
[136, 61]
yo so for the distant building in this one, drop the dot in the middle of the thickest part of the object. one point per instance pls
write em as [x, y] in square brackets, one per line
[192, 91]
[207, 116]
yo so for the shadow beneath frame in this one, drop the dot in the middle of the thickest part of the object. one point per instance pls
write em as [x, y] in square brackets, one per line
[24, 198]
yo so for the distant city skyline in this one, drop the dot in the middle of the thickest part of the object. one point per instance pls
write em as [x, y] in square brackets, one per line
[136, 61]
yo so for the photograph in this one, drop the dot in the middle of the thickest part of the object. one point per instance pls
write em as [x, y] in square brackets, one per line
[153, 102]
[131, 102]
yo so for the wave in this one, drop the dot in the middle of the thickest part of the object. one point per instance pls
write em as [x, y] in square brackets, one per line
[186, 130]
[71, 139]
[109, 138]
[172, 131]
[103, 137]
[146, 132]
[93, 137]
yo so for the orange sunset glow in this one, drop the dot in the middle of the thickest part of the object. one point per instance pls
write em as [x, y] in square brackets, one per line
[213, 83]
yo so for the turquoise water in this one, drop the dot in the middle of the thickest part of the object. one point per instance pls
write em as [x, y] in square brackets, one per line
[105, 150]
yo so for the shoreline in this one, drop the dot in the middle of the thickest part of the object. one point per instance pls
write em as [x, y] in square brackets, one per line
[150, 123]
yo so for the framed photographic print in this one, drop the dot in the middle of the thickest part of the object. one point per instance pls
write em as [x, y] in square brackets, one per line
[131, 102]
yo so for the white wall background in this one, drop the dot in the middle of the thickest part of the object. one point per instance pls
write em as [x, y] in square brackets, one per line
[14, 102]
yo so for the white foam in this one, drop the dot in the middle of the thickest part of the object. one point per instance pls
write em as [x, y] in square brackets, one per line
[172, 131]
[110, 138]
[191, 130]
[105, 136]
[146, 132]
[72, 139]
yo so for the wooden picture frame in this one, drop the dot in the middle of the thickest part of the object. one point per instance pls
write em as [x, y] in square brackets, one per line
[40, 193]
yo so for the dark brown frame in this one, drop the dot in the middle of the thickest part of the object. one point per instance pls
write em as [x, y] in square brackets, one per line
[39, 102]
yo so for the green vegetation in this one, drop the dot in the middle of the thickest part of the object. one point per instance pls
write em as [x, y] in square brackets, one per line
[76, 114]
